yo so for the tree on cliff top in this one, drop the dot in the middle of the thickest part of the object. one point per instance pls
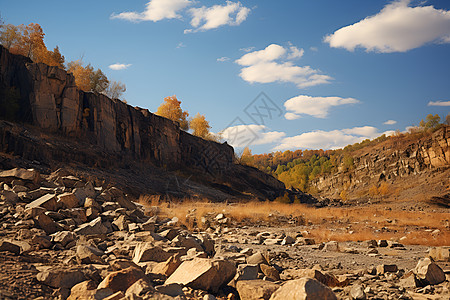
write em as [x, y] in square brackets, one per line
[171, 109]
[200, 127]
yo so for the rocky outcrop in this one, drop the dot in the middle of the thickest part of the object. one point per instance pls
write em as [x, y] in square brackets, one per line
[391, 164]
[97, 131]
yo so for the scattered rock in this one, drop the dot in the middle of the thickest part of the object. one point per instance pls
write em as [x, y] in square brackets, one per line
[122, 280]
[61, 277]
[357, 292]
[256, 289]
[204, 274]
[303, 289]
[429, 272]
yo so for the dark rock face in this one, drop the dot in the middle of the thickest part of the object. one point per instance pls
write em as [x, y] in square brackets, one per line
[108, 131]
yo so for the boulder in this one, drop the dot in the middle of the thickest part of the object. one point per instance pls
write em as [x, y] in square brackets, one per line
[246, 272]
[303, 289]
[257, 258]
[68, 200]
[122, 280]
[256, 289]
[47, 201]
[89, 255]
[357, 292]
[147, 251]
[270, 272]
[167, 267]
[10, 246]
[324, 278]
[61, 277]
[381, 269]
[91, 228]
[171, 289]
[47, 224]
[87, 290]
[331, 246]
[139, 288]
[203, 273]
[9, 196]
[63, 237]
[409, 280]
[429, 272]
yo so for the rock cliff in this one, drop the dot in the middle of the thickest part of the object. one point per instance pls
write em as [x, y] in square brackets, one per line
[405, 165]
[98, 131]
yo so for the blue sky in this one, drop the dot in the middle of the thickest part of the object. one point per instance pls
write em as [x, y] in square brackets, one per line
[320, 74]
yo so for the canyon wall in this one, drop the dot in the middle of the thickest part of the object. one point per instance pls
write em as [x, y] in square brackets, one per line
[103, 131]
[392, 164]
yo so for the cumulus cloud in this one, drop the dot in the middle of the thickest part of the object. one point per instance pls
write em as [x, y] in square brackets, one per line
[155, 10]
[205, 18]
[334, 139]
[118, 66]
[390, 122]
[248, 135]
[273, 64]
[398, 27]
[317, 107]
[439, 103]
[223, 59]
[248, 49]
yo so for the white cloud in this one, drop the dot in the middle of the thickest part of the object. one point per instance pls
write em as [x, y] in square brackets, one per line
[439, 103]
[205, 18]
[314, 106]
[223, 59]
[181, 45]
[118, 66]
[155, 10]
[390, 122]
[398, 27]
[315, 49]
[248, 49]
[295, 53]
[247, 135]
[334, 139]
[272, 65]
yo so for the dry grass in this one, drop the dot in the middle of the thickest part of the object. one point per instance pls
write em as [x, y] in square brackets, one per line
[324, 224]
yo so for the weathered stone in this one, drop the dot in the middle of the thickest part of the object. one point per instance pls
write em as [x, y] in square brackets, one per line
[331, 246]
[429, 272]
[324, 278]
[61, 277]
[47, 224]
[68, 200]
[381, 269]
[43, 242]
[139, 288]
[288, 240]
[357, 292]
[246, 272]
[305, 241]
[9, 196]
[87, 290]
[271, 242]
[122, 280]
[93, 227]
[120, 264]
[121, 223]
[116, 296]
[10, 246]
[146, 251]
[257, 258]
[89, 255]
[409, 280]
[187, 242]
[63, 237]
[47, 201]
[171, 289]
[256, 289]
[270, 272]
[168, 267]
[25, 174]
[303, 289]
[33, 212]
[204, 274]
[383, 243]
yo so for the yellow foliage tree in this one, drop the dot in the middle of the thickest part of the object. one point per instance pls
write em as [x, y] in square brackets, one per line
[82, 74]
[200, 127]
[247, 157]
[171, 109]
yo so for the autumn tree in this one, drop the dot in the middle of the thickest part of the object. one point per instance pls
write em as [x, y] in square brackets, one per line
[200, 127]
[98, 81]
[430, 121]
[171, 109]
[10, 35]
[115, 89]
[81, 73]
